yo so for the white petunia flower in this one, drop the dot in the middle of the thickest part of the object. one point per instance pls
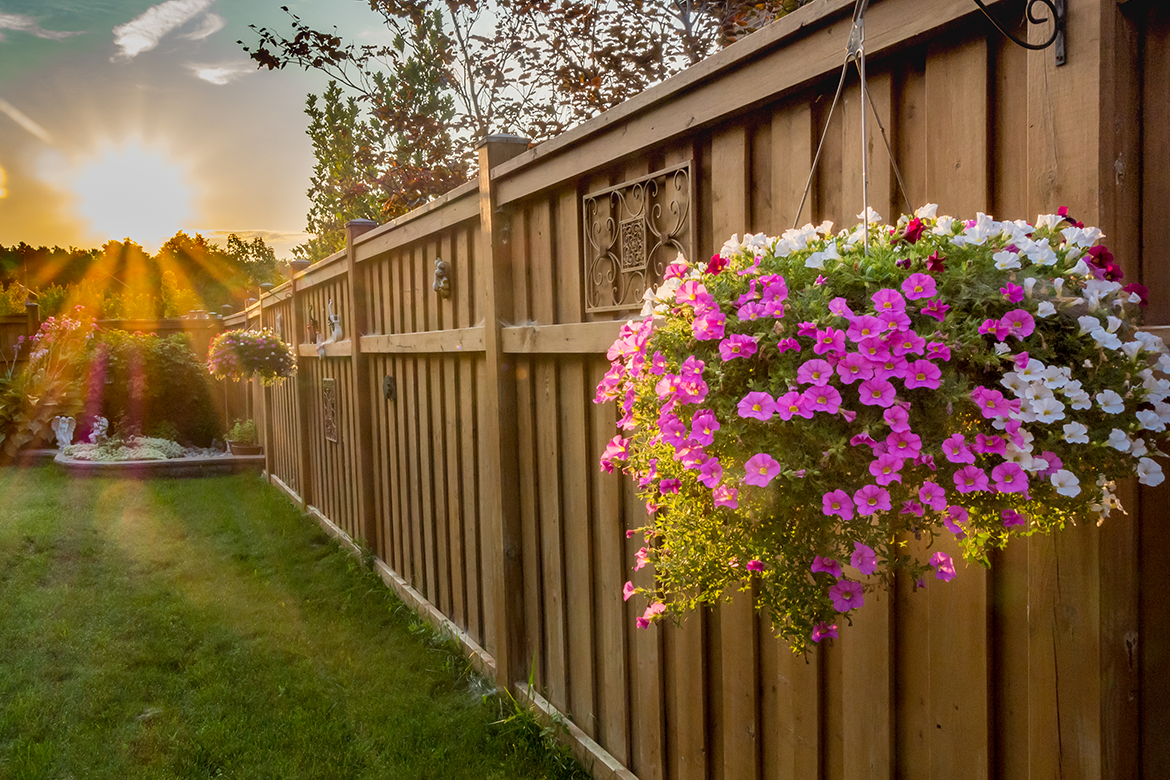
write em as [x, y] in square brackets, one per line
[1150, 421]
[1163, 410]
[1151, 342]
[756, 243]
[1073, 254]
[1048, 410]
[1105, 339]
[1029, 285]
[1081, 269]
[1134, 298]
[1132, 349]
[874, 217]
[1045, 309]
[1006, 261]
[1054, 377]
[1112, 323]
[1066, 483]
[1110, 402]
[1040, 253]
[1075, 433]
[1119, 440]
[1049, 221]
[1038, 391]
[1058, 283]
[730, 247]
[984, 228]
[817, 259]
[1080, 400]
[825, 228]
[1012, 381]
[1001, 348]
[1139, 447]
[943, 225]
[929, 211]
[1149, 473]
[1082, 237]
[1088, 323]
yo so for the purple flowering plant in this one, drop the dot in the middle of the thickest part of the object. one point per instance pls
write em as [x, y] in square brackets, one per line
[240, 354]
[802, 405]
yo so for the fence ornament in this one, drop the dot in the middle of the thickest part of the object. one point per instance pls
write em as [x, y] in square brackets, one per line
[442, 284]
[329, 408]
[63, 427]
[633, 231]
[335, 324]
[311, 331]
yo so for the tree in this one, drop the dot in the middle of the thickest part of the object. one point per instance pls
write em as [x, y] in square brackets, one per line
[459, 70]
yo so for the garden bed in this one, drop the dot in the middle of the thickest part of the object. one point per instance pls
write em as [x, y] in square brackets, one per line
[211, 465]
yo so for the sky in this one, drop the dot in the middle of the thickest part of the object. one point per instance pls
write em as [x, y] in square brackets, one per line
[137, 119]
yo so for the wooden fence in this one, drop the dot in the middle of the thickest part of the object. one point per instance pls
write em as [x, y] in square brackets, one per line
[455, 436]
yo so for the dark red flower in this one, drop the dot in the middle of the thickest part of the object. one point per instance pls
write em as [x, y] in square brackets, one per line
[934, 263]
[717, 264]
[1141, 290]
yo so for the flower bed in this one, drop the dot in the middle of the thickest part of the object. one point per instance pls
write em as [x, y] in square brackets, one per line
[798, 408]
[148, 456]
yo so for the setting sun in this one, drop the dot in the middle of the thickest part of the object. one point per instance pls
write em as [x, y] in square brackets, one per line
[134, 190]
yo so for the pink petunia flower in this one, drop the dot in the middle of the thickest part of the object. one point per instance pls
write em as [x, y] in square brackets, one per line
[726, 496]
[840, 307]
[970, 479]
[922, 373]
[892, 367]
[875, 349]
[737, 346]
[837, 502]
[1012, 518]
[826, 565]
[885, 468]
[652, 611]
[753, 294]
[709, 326]
[904, 444]
[913, 507]
[710, 472]
[895, 320]
[627, 591]
[751, 311]
[871, 499]
[757, 405]
[1019, 323]
[897, 418]
[954, 518]
[919, 286]
[703, 427]
[754, 565]
[1013, 292]
[955, 449]
[906, 342]
[641, 558]
[990, 445]
[1009, 478]
[944, 567]
[937, 350]
[936, 308]
[863, 327]
[846, 595]
[822, 399]
[761, 469]
[786, 344]
[806, 329]
[853, 367]
[824, 631]
[993, 327]
[668, 486]
[876, 392]
[887, 300]
[815, 371]
[991, 403]
[694, 294]
[829, 341]
[793, 404]
[863, 559]
[933, 496]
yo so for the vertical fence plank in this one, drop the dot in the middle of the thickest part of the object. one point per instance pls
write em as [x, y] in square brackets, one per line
[883, 197]
[469, 439]
[452, 308]
[436, 402]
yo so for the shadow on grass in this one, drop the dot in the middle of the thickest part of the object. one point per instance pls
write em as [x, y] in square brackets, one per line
[204, 628]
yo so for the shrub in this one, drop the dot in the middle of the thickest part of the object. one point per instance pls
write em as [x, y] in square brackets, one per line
[129, 448]
[243, 432]
[146, 382]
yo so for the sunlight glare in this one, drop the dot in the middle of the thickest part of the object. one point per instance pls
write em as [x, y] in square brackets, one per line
[134, 191]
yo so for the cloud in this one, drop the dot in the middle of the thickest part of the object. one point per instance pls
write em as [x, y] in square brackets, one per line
[29, 25]
[143, 32]
[222, 73]
[22, 120]
[212, 23]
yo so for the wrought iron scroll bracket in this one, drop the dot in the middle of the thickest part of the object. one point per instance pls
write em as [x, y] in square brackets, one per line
[1057, 14]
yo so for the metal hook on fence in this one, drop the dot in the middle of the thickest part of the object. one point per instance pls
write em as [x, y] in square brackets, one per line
[1056, 15]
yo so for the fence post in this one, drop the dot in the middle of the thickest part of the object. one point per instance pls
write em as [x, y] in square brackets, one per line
[32, 311]
[358, 303]
[304, 469]
[501, 477]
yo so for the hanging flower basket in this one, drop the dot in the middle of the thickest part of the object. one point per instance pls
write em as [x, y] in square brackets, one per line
[241, 354]
[795, 411]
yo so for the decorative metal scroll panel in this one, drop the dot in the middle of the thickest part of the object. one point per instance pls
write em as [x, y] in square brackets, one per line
[632, 232]
[329, 407]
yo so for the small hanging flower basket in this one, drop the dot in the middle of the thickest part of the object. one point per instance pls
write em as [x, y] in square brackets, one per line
[240, 354]
[795, 411]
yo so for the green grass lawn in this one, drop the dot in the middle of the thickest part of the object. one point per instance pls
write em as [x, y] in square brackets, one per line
[205, 628]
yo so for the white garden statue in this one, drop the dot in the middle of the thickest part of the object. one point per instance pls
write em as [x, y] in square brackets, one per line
[63, 427]
[100, 426]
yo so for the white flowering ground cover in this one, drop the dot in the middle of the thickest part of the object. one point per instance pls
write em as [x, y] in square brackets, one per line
[796, 408]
